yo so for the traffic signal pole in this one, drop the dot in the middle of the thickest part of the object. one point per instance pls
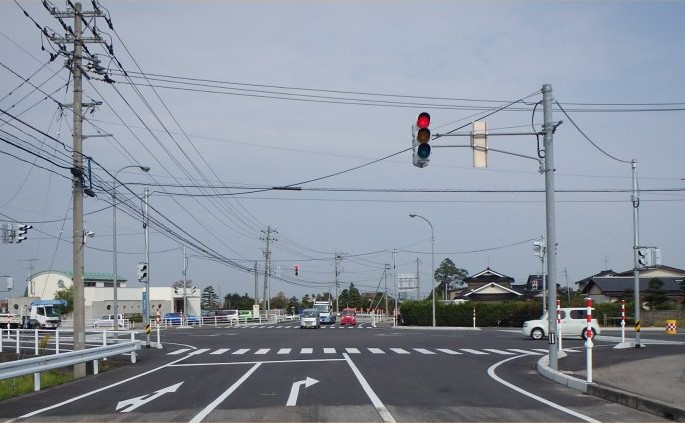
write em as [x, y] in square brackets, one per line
[548, 130]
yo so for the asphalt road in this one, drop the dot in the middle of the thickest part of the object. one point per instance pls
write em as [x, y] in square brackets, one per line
[362, 374]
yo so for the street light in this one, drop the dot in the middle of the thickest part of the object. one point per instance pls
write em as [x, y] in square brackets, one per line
[432, 261]
[114, 238]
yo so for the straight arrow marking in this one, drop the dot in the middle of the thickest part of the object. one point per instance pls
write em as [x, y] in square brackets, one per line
[295, 390]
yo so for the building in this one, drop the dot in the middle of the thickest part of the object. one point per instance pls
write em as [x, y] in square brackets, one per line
[487, 285]
[610, 286]
[98, 293]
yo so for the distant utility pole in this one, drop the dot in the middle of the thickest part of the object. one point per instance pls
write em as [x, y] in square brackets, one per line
[267, 265]
[29, 286]
[337, 260]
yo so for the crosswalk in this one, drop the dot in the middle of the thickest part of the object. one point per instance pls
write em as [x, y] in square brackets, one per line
[297, 326]
[307, 351]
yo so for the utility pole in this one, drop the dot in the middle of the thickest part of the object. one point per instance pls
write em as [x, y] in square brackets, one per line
[636, 244]
[418, 281]
[77, 194]
[185, 284]
[548, 130]
[338, 258]
[385, 277]
[267, 267]
[146, 306]
[30, 290]
[256, 288]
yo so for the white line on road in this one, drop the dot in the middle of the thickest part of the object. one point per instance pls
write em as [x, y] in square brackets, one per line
[423, 351]
[491, 373]
[209, 408]
[380, 407]
[447, 351]
[220, 351]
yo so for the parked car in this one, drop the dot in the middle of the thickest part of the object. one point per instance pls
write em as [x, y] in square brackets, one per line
[176, 319]
[220, 316]
[348, 316]
[107, 321]
[573, 324]
[310, 318]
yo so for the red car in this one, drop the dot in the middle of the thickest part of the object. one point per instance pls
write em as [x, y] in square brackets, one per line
[348, 317]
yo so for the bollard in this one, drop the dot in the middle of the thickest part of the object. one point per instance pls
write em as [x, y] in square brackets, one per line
[671, 327]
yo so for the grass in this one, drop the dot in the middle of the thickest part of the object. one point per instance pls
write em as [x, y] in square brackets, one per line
[24, 384]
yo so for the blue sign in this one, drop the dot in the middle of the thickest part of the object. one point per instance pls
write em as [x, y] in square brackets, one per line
[145, 313]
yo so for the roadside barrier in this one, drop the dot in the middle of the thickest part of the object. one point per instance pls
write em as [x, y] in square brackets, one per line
[671, 327]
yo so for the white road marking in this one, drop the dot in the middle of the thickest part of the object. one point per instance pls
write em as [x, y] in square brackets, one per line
[423, 351]
[469, 350]
[262, 351]
[329, 351]
[220, 351]
[307, 351]
[284, 351]
[399, 351]
[352, 350]
[376, 351]
[178, 352]
[380, 407]
[496, 351]
[211, 406]
[241, 351]
[295, 390]
[491, 373]
[524, 351]
[447, 351]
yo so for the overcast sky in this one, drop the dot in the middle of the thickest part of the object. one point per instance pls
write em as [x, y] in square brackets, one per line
[247, 95]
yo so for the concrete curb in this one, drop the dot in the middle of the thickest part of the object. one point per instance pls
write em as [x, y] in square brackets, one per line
[619, 396]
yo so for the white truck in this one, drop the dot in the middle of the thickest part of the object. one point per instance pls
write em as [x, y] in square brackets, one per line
[9, 320]
[43, 314]
[326, 314]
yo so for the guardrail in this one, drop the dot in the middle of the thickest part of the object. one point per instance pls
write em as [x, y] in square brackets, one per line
[36, 365]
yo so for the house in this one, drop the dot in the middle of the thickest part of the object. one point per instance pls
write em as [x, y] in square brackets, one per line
[487, 285]
[609, 286]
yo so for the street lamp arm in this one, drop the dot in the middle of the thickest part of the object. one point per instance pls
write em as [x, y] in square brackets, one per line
[432, 260]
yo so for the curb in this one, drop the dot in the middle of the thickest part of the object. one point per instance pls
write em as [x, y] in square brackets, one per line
[619, 396]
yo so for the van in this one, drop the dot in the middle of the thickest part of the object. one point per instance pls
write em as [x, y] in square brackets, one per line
[310, 318]
[573, 324]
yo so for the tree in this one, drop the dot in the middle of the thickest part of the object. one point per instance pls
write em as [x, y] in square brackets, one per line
[68, 295]
[279, 301]
[235, 301]
[209, 300]
[446, 274]
[657, 297]
[293, 305]
[307, 301]
[351, 297]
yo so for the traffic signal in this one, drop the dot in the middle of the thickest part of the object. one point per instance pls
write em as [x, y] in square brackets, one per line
[297, 270]
[142, 271]
[421, 135]
[644, 257]
[21, 233]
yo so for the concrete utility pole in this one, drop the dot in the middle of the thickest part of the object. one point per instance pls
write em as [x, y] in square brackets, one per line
[267, 267]
[77, 194]
[146, 306]
[548, 129]
[636, 246]
[256, 283]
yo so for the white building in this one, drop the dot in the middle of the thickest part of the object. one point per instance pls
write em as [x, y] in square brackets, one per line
[98, 289]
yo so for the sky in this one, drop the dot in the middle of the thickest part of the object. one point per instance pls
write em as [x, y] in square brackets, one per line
[224, 100]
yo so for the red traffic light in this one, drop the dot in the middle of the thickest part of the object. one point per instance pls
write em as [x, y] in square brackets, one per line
[297, 269]
[423, 120]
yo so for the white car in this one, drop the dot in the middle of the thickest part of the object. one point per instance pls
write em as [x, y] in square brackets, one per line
[310, 318]
[107, 321]
[573, 324]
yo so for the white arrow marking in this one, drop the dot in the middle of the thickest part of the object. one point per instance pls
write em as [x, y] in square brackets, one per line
[295, 390]
[136, 402]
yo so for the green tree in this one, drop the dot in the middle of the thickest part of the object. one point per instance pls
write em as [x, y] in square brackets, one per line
[351, 297]
[68, 295]
[209, 300]
[293, 305]
[446, 274]
[279, 301]
[656, 296]
[307, 301]
[238, 302]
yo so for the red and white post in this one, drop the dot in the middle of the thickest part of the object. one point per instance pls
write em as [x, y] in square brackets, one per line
[623, 321]
[588, 339]
[474, 316]
[559, 323]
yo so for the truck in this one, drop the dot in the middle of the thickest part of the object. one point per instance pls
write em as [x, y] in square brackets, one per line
[326, 314]
[9, 320]
[43, 314]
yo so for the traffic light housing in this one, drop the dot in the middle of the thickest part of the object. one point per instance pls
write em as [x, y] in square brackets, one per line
[297, 270]
[644, 257]
[420, 137]
[10, 284]
[142, 271]
[20, 235]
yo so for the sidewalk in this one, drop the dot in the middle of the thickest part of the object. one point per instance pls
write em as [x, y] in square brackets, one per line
[650, 379]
